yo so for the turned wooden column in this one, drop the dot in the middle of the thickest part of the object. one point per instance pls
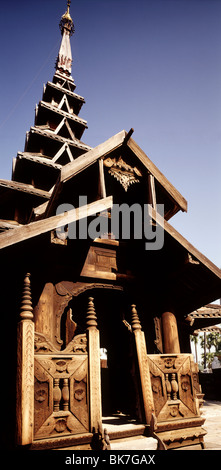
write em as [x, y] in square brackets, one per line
[170, 333]
[25, 369]
[94, 372]
[143, 367]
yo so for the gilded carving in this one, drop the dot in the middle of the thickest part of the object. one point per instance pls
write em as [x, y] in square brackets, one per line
[124, 173]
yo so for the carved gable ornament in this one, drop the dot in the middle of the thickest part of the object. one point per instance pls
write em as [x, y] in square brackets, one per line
[124, 173]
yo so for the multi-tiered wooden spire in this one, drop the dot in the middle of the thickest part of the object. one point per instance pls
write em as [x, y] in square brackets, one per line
[53, 141]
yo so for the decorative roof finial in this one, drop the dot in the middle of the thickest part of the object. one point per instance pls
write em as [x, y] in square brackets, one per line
[66, 20]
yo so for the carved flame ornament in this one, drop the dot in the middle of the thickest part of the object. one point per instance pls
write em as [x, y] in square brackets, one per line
[124, 173]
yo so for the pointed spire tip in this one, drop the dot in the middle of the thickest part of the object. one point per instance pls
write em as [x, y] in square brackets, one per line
[66, 20]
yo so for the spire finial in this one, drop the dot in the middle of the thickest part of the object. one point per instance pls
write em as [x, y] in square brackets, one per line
[64, 60]
[66, 20]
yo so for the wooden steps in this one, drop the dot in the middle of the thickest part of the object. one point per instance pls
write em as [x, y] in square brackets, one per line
[134, 443]
[126, 434]
[180, 438]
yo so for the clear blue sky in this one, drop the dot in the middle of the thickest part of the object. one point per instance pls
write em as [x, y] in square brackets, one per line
[154, 65]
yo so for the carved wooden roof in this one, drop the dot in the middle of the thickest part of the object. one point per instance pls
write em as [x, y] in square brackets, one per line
[208, 329]
[208, 311]
[26, 188]
[205, 318]
[50, 134]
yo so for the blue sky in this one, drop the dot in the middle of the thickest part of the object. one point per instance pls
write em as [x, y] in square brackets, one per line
[154, 65]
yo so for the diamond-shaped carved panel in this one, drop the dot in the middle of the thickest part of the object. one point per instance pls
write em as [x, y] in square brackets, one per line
[172, 386]
[60, 395]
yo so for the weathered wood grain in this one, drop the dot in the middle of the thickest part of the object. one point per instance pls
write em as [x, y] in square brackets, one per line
[34, 229]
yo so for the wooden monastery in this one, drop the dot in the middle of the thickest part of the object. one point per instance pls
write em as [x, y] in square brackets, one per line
[64, 298]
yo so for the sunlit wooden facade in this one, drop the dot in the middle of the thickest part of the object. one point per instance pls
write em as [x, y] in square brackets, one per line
[65, 298]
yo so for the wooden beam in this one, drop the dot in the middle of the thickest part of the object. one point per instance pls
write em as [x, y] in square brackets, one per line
[88, 158]
[152, 191]
[59, 153]
[111, 144]
[67, 92]
[72, 117]
[172, 191]
[26, 188]
[69, 129]
[35, 229]
[51, 135]
[101, 178]
[58, 128]
[128, 136]
[184, 243]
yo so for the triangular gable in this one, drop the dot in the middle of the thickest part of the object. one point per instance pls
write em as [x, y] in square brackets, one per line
[87, 159]
[122, 139]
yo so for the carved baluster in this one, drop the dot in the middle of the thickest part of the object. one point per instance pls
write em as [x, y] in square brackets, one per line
[26, 310]
[56, 395]
[174, 386]
[93, 341]
[144, 373]
[65, 394]
[135, 322]
[168, 386]
[25, 368]
[91, 319]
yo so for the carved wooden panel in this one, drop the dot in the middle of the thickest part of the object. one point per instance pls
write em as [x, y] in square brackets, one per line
[173, 386]
[124, 173]
[60, 389]
[100, 260]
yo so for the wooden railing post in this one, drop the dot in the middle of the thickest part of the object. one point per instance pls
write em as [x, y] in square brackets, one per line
[25, 368]
[143, 367]
[93, 340]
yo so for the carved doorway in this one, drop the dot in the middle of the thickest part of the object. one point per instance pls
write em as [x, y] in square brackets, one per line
[119, 393]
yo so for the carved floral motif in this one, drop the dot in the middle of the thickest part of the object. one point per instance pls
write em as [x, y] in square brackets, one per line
[124, 173]
[78, 345]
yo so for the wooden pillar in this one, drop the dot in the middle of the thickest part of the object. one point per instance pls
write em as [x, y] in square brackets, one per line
[143, 367]
[205, 348]
[152, 191]
[25, 369]
[94, 373]
[102, 187]
[170, 333]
